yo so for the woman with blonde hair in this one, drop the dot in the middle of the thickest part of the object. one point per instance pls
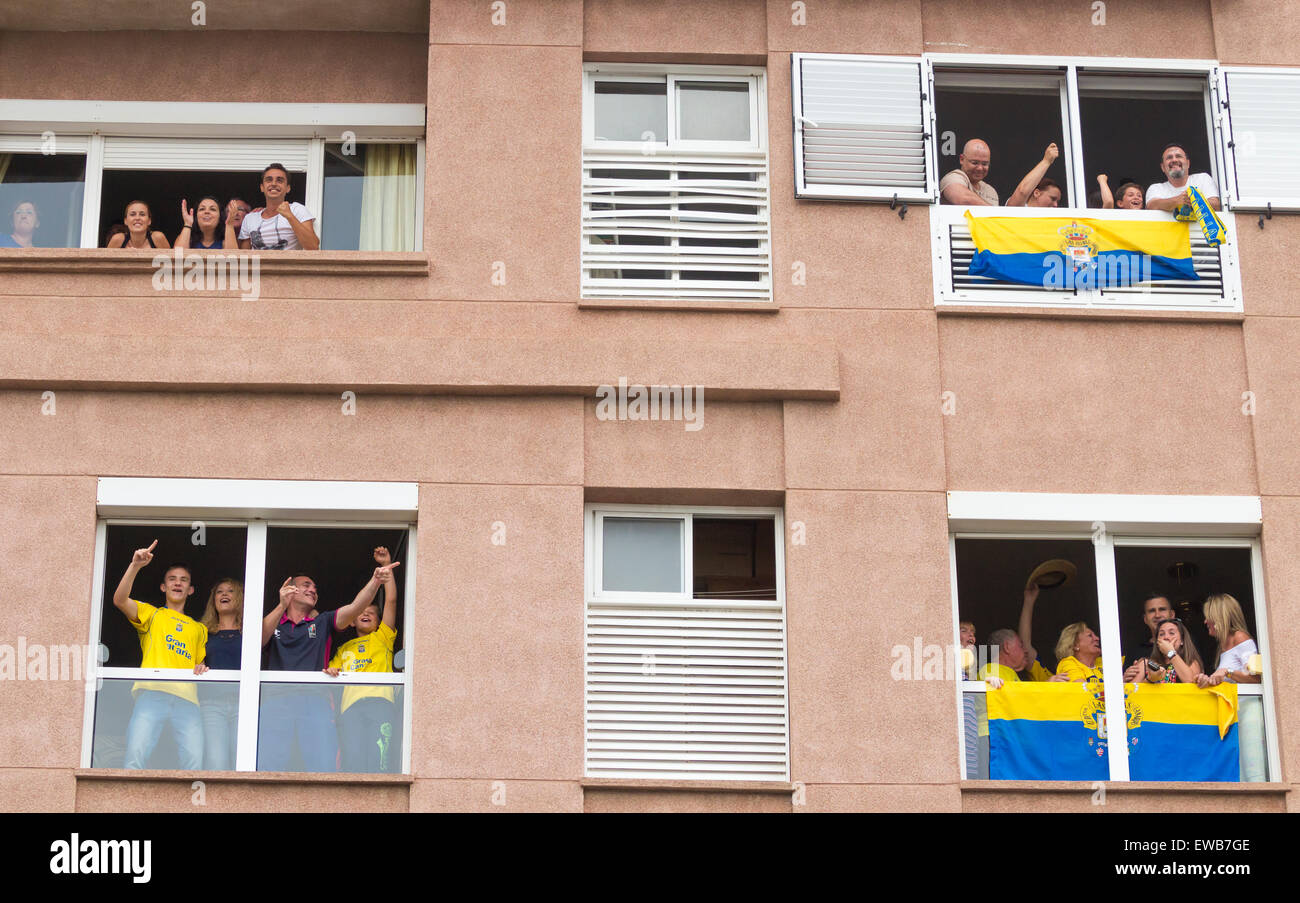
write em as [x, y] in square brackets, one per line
[1174, 658]
[219, 702]
[1226, 622]
[1078, 653]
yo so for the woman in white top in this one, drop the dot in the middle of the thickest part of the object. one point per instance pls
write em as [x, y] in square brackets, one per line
[1226, 622]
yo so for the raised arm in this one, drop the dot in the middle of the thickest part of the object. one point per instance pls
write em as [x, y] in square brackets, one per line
[1107, 197]
[1026, 627]
[122, 595]
[231, 240]
[187, 227]
[348, 613]
[389, 605]
[272, 619]
[1020, 197]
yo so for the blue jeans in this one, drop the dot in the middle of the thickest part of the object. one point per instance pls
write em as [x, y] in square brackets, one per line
[153, 709]
[220, 722]
[303, 717]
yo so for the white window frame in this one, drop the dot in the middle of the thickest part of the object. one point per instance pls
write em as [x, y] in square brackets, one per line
[671, 156]
[1223, 110]
[669, 75]
[91, 122]
[1138, 73]
[255, 505]
[928, 193]
[1109, 521]
[594, 515]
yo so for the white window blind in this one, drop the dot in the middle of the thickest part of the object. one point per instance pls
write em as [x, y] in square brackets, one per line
[863, 128]
[1263, 108]
[678, 225]
[35, 144]
[220, 154]
[682, 693]
[685, 684]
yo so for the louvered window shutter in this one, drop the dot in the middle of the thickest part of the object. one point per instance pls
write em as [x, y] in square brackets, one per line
[35, 144]
[219, 154]
[863, 128]
[1263, 112]
[683, 688]
[685, 225]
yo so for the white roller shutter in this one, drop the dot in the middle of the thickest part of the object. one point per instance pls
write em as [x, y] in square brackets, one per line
[676, 225]
[1262, 115]
[686, 693]
[219, 154]
[863, 127]
[35, 144]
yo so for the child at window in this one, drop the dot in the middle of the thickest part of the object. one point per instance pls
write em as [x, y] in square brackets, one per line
[368, 717]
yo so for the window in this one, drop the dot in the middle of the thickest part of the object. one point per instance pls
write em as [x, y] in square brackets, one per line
[685, 660]
[1121, 551]
[355, 166]
[42, 185]
[888, 129]
[370, 197]
[675, 187]
[247, 537]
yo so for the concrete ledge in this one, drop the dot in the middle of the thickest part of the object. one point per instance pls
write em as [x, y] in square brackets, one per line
[749, 307]
[1090, 313]
[437, 365]
[119, 261]
[272, 777]
[654, 784]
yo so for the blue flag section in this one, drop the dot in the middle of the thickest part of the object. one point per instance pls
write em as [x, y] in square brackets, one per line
[1057, 732]
[1047, 732]
[1179, 732]
[1064, 253]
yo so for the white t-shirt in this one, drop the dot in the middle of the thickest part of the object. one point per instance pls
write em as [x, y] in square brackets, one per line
[1201, 181]
[274, 234]
[1235, 659]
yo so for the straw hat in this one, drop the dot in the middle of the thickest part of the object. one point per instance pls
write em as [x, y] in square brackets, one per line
[1056, 572]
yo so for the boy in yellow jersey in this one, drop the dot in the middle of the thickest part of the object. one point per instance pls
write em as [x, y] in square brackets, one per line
[368, 718]
[169, 638]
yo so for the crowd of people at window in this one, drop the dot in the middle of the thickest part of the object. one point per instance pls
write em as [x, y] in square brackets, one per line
[1168, 656]
[279, 225]
[203, 715]
[968, 185]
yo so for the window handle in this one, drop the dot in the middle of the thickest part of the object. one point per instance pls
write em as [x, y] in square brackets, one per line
[806, 121]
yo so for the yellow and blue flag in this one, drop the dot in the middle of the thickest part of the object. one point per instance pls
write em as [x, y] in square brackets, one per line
[1047, 732]
[1198, 210]
[1061, 252]
[1180, 732]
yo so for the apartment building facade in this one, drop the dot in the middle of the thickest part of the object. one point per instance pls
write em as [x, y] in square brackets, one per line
[639, 334]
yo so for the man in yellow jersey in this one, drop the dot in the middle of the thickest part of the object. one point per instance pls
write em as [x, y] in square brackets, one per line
[368, 718]
[1015, 654]
[169, 638]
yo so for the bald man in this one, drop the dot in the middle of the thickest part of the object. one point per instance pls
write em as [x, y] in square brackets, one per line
[966, 185]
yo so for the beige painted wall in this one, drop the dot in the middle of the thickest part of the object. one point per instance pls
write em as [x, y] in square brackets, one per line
[830, 407]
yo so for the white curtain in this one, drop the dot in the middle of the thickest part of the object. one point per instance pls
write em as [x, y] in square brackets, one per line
[388, 198]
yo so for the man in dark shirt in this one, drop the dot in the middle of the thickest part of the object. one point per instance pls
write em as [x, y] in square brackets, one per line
[1155, 608]
[299, 640]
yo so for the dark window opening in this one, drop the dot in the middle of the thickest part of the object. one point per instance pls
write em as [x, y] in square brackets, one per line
[339, 560]
[734, 558]
[220, 556]
[163, 192]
